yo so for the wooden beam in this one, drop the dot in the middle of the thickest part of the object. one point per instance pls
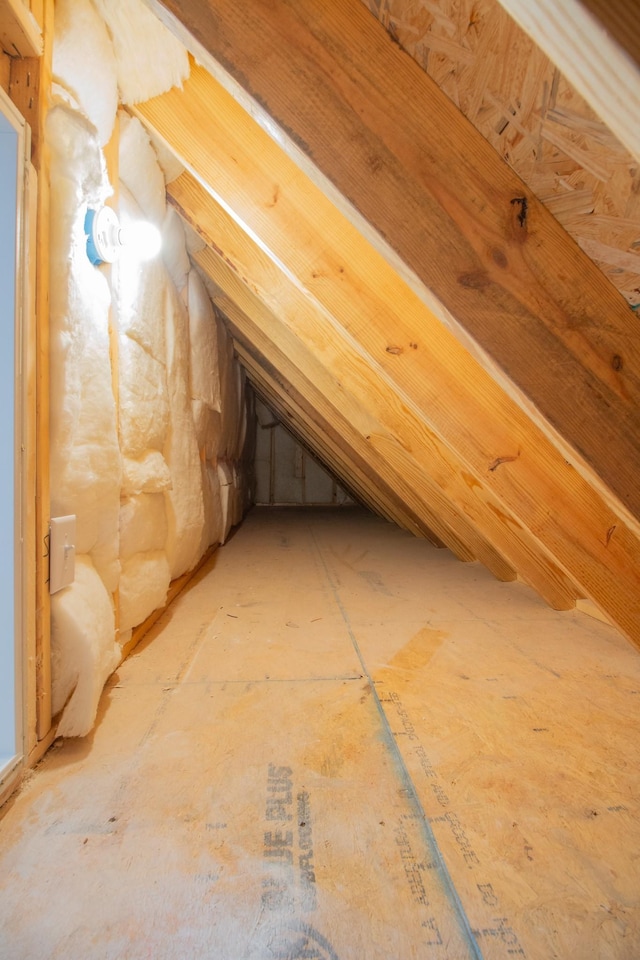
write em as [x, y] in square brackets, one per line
[553, 497]
[5, 71]
[20, 33]
[331, 395]
[26, 77]
[438, 469]
[366, 122]
[30, 462]
[327, 427]
[30, 85]
[596, 45]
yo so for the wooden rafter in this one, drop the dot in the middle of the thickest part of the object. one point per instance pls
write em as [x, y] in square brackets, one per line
[435, 469]
[529, 490]
[569, 518]
[339, 415]
[463, 406]
[436, 200]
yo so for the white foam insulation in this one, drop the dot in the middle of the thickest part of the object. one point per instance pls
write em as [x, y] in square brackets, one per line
[185, 510]
[85, 458]
[143, 586]
[84, 64]
[174, 249]
[149, 59]
[169, 163]
[140, 171]
[141, 472]
[203, 338]
[84, 651]
[146, 474]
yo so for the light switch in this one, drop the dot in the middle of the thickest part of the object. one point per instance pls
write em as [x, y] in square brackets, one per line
[62, 552]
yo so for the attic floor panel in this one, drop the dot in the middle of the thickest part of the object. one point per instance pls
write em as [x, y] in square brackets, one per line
[341, 743]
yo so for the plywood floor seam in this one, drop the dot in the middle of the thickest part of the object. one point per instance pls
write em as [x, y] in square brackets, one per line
[437, 859]
[341, 743]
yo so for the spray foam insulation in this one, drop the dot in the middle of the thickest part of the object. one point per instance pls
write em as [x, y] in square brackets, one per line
[174, 249]
[144, 408]
[140, 474]
[85, 460]
[139, 286]
[143, 524]
[84, 651]
[140, 171]
[203, 337]
[84, 63]
[146, 474]
[149, 59]
[185, 509]
[207, 424]
[213, 529]
[144, 583]
[171, 167]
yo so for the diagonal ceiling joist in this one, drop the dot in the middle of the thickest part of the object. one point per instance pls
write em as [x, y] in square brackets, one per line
[437, 472]
[328, 82]
[422, 363]
[334, 407]
[330, 446]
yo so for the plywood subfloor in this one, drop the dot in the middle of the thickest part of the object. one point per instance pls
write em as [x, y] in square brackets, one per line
[341, 743]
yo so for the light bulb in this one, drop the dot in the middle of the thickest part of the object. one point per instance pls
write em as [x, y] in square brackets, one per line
[142, 240]
[106, 238]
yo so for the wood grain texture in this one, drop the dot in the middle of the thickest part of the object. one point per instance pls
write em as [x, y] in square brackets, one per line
[323, 396]
[24, 89]
[439, 470]
[30, 433]
[20, 33]
[588, 607]
[43, 505]
[5, 71]
[503, 277]
[512, 729]
[525, 107]
[553, 497]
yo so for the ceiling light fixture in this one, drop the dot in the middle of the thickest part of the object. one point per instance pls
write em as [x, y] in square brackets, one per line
[104, 235]
[106, 238]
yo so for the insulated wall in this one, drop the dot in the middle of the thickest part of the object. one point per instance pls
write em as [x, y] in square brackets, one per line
[148, 404]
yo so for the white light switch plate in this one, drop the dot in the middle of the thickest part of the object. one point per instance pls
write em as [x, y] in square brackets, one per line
[62, 552]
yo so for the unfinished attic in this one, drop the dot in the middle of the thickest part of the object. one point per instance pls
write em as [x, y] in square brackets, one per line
[321, 519]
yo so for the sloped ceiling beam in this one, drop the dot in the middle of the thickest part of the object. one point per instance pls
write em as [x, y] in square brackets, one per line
[431, 374]
[596, 45]
[327, 398]
[484, 255]
[438, 473]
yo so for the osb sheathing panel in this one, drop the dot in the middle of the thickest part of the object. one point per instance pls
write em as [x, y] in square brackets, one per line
[525, 108]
